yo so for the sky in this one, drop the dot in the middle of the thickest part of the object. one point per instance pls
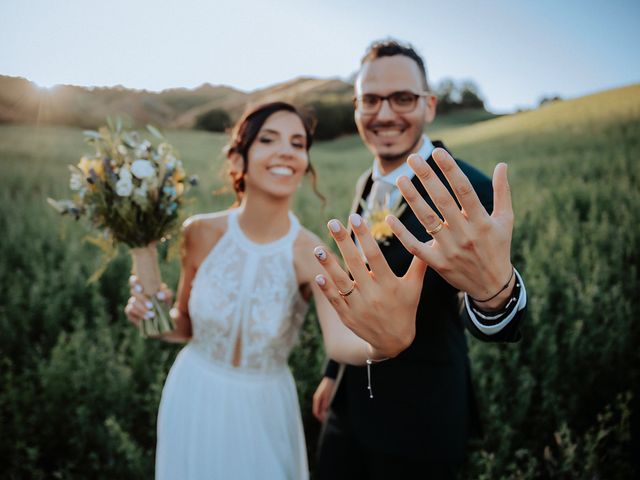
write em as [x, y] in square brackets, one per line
[516, 51]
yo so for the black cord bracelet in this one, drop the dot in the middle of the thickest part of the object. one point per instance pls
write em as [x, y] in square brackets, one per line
[493, 317]
[513, 272]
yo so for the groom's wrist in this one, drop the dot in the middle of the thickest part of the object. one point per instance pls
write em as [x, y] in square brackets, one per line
[488, 318]
[500, 301]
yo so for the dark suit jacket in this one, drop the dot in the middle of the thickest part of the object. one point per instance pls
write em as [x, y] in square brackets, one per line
[423, 403]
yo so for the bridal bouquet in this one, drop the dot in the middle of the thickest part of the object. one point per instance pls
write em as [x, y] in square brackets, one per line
[131, 190]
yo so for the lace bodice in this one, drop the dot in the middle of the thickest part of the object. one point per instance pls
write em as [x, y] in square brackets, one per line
[248, 291]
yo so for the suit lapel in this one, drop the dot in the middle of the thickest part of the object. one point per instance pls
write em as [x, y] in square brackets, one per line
[363, 187]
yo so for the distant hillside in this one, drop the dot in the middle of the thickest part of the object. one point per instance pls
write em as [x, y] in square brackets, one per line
[611, 106]
[21, 101]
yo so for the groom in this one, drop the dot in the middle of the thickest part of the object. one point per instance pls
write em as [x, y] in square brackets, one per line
[423, 410]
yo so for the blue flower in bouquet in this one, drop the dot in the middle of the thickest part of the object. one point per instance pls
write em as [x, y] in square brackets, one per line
[170, 191]
[172, 208]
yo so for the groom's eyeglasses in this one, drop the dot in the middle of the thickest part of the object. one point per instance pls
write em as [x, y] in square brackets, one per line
[400, 102]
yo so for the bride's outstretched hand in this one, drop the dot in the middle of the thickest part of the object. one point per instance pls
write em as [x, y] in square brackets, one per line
[139, 306]
[376, 305]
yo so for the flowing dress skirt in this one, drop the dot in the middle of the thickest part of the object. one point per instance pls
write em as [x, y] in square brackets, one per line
[219, 422]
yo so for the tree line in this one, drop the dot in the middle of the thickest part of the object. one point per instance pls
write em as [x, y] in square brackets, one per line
[335, 118]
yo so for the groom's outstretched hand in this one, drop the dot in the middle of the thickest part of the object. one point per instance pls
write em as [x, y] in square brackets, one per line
[376, 305]
[470, 249]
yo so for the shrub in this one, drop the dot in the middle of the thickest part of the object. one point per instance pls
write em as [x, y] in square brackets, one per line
[216, 120]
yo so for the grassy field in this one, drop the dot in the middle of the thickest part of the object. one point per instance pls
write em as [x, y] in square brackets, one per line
[79, 389]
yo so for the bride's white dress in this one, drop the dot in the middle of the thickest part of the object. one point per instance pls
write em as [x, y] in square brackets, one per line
[219, 421]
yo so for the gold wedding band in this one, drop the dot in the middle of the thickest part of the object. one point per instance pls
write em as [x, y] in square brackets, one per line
[436, 230]
[346, 294]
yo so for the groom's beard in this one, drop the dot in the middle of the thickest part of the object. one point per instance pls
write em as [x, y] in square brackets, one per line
[397, 158]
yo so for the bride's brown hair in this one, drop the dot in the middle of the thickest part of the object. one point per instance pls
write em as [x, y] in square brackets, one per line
[244, 133]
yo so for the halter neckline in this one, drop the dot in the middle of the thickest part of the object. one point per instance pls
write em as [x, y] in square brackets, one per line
[246, 242]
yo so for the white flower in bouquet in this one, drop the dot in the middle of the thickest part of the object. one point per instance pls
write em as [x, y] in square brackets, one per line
[76, 181]
[124, 174]
[124, 187]
[142, 149]
[143, 169]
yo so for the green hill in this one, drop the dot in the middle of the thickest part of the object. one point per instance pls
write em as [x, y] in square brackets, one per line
[608, 107]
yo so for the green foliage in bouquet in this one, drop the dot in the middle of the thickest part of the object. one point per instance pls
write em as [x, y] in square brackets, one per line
[129, 188]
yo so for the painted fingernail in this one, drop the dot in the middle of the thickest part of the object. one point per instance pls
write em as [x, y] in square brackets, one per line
[320, 253]
[355, 219]
[137, 288]
[148, 304]
[334, 225]
[161, 295]
[149, 315]
[320, 280]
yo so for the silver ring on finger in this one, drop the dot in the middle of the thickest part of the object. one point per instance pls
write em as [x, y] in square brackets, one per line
[350, 291]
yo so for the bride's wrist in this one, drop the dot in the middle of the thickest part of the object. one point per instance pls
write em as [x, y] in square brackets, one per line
[374, 355]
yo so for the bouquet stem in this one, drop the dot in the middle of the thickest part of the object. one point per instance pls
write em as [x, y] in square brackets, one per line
[146, 268]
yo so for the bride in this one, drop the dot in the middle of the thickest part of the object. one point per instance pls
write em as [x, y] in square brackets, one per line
[229, 407]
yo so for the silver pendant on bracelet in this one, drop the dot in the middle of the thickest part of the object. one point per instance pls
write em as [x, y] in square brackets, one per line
[369, 363]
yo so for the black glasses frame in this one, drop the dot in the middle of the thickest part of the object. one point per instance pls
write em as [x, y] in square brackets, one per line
[357, 101]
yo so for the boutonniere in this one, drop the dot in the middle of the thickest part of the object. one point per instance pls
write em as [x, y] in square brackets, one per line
[380, 230]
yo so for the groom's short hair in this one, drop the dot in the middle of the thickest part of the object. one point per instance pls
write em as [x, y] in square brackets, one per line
[390, 48]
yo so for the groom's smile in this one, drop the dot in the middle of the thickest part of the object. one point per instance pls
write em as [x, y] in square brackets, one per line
[388, 133]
